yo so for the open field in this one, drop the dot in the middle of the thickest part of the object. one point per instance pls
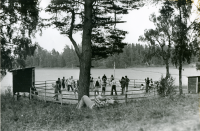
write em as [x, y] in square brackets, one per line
[156, 114]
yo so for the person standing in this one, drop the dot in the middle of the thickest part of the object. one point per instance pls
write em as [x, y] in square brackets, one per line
[127, 83]
[147, 84]
[113, 85]
[122, 82]
[91, 83]
[111, 78]
[69, 84]
[99, 79]
[56, 89]
[59, 85]
[104, 77]
[63, 82]
[96, 88]
[103, 86]
[72, 83]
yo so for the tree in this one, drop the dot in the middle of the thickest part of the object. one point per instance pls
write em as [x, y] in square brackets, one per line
[160, 39]
[185, 37]
[96, 19]
[19, 19]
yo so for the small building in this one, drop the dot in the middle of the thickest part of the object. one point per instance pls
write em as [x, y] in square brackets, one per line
[193, 84]
[23, 79]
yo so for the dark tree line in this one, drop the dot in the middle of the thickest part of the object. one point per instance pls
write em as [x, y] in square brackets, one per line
[133, 55]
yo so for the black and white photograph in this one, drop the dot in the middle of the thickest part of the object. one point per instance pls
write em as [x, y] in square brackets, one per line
[100, 65]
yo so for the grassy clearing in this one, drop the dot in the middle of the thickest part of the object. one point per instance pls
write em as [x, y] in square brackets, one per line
[142, 115]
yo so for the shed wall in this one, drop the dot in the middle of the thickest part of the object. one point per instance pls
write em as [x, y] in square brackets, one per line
[192, 84]
[23, 80]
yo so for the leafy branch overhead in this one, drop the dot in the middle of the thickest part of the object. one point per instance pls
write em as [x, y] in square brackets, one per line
[19, 20]
[68, 17]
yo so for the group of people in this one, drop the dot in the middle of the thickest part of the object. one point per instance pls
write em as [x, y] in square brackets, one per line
[149, 84]
[65, 84]
[101, 83]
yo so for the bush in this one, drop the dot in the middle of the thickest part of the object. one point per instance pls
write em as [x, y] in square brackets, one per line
[166, 86]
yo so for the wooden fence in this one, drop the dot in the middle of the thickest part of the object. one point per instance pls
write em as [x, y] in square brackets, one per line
[46, 92]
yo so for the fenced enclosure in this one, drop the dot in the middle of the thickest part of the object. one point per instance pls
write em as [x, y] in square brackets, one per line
[45, 91]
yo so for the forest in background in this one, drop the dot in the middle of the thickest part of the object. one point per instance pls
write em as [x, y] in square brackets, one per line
[134, 55]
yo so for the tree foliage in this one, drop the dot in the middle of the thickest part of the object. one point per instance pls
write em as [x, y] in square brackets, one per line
[161, 38]
[19, 19]
[68, 18]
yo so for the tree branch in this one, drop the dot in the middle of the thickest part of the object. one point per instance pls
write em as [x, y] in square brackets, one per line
[109, 22]
[70, 34]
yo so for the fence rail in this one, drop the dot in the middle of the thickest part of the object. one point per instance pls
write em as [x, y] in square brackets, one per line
[47, 93]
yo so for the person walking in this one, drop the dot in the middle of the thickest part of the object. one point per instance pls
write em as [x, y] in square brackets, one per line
[127, 83]
[113, 85]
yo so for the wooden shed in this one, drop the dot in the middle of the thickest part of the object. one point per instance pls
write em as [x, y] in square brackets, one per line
[23, 79]
[193, 84]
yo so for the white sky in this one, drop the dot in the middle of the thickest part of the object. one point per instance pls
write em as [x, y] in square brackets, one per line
[137, 22]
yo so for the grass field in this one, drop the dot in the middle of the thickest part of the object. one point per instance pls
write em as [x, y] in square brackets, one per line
[159, 114]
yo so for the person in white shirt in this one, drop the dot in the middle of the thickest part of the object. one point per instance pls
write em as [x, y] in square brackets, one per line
[142, 87]
[69, 84]
[113, 85]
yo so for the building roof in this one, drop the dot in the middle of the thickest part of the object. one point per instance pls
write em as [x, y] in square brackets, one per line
[21, 69]
[193, 76]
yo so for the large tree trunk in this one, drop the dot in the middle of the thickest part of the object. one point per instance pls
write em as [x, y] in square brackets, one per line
[180, 55]
[180, 75]
[85, 59]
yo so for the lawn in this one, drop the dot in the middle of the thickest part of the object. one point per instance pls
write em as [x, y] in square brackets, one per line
[157, 114]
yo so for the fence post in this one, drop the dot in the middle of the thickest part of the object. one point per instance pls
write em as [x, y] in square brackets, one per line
[45, 92]
[61, 97]
[30, 94]
[126, 97]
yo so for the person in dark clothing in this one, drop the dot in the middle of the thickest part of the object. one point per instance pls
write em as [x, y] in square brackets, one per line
[127, 82]
[91, 84]
[59, 85]
[147, 84]
[56, 90]
[122, 82]
[104, 77]
[103, 86]
[63, 82]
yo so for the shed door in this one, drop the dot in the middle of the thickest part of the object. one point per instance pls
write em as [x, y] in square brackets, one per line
[192, 84]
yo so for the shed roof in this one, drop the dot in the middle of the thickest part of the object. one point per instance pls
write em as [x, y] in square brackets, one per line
[21, 69]
[193, 76]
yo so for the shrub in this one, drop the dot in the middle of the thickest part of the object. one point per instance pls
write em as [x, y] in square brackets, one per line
[166, 86]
